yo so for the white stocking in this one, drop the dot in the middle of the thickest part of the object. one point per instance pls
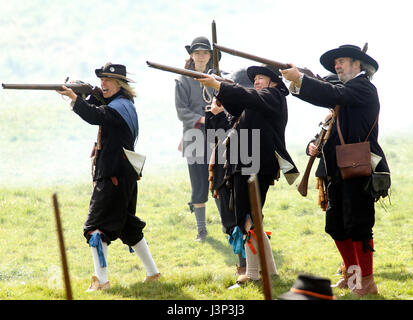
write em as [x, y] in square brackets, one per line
[142, 250]
[101, 273]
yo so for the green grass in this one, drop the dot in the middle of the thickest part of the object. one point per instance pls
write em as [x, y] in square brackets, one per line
[42, 157]
[30, 260]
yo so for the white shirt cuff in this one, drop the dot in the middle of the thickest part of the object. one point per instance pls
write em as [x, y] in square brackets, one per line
[293, 88]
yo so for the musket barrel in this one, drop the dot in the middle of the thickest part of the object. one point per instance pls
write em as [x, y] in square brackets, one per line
[250, 56]
[59, 86]
[184, 72]
[273, 63]
[215, 51]
[32, 86]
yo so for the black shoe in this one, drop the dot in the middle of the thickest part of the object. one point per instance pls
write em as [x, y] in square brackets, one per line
[201, 236]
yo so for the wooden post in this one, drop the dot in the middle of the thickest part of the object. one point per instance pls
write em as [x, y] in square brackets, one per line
[62, 249]
[255, 201]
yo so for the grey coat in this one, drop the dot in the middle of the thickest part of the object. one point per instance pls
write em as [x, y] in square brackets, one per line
[190, 104]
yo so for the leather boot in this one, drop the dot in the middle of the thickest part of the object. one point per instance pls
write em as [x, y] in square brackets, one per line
[153, 278]
[95, 285]
[241, 271]
[241, 281]
[342, 283]
[368, 286]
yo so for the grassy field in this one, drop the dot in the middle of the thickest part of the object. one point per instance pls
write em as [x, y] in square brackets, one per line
[30, 261]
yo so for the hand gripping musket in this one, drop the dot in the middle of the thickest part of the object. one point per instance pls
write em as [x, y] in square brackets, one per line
[185, 72]
[273, 63]
[255, 201]
[321, 139]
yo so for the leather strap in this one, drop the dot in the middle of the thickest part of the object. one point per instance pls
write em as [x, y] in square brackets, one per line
[337, 109]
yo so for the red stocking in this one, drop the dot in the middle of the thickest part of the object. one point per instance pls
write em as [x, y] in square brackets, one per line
[365, 257]
[347, 252]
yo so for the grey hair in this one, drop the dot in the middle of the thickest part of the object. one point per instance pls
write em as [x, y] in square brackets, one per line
[368, 68]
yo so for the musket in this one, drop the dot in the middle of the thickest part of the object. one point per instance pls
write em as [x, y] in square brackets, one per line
[215, 58]
[62, 249]
[255, 201]
[78, 88]
[273, 63]
[321, 139]
[185, 72]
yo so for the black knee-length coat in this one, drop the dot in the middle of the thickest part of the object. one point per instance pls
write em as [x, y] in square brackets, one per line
[112, 206]
[359, 108]
[266, 111]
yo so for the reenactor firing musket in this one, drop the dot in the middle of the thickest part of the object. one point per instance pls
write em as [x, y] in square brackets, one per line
[80, 88]
[321, 139]
[185, 72]
[273, 63]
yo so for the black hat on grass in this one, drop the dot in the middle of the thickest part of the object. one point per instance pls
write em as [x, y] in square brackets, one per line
[309, 287]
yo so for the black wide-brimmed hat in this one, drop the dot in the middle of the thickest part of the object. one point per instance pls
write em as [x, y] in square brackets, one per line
[347, 50]
[200, 43]
[269, 71]
[241, 77]
[116, 71]
[309, 287]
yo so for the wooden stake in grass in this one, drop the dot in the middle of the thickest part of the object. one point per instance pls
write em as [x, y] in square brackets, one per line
[62, 249]
[255, 201]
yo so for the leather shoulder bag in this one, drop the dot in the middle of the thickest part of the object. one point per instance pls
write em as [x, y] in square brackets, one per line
[353, 159]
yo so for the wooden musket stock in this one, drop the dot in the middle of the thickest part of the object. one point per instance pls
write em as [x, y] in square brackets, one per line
[303, 186]
[321, 138]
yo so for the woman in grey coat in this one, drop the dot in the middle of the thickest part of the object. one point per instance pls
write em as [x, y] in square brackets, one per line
[191, 99]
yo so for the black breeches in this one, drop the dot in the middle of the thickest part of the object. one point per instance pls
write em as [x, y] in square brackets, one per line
[240, 189]
[198, 174]
[350, 211]
[112, 210]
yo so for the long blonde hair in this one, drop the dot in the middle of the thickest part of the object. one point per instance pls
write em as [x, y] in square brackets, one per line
[127, 90]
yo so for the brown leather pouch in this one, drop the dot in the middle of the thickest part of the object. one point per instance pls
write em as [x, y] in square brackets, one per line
[353, 159]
